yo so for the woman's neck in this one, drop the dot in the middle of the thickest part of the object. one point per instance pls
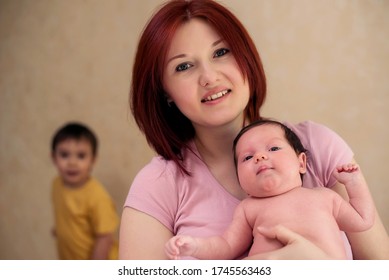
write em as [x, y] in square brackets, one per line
[216, 142]
[215, 148]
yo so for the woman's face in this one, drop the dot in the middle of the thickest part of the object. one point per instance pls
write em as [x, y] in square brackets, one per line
[202, 77]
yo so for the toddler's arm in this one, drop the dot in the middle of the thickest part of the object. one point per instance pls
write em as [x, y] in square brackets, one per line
[103, 244]
[53, 232]
[359, 214]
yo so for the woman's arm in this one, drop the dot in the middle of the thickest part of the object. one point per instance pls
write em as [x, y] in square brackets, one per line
[141, 236]
[371, 244]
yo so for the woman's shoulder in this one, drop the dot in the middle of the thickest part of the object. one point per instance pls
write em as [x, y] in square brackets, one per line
[159, 189]
[160, 167]
[326, 150]
[314, 135]
[154, 190]
[309, 129]
[156, 170]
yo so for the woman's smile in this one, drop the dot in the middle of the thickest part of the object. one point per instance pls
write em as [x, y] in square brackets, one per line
[215, 96]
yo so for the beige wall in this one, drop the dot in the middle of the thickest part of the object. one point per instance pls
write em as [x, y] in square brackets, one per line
[327, 61]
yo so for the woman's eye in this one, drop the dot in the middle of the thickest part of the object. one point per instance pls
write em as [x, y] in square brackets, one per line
[183, 67]
[221, 52]
[273, 149]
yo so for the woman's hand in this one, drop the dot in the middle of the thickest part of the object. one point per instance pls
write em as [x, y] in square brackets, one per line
[296, 247]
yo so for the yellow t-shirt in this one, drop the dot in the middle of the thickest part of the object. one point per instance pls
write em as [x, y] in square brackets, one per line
[81, 214]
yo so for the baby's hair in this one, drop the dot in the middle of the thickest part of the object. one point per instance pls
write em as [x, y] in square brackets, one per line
[290, 136]
[76, 131]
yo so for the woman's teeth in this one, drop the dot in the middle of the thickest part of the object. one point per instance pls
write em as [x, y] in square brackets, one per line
[215, 96]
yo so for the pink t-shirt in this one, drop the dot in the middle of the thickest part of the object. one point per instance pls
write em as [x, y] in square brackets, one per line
[199, 206]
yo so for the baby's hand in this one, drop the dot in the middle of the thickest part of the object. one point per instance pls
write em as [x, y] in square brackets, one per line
[180, 245]
[347, 174]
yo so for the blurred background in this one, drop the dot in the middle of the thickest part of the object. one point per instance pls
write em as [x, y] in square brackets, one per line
[60, 61]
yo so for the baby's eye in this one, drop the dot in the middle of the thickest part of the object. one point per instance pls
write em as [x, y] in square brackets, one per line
[221, 52]
[246, 158]
[273, 149]
[183, 67]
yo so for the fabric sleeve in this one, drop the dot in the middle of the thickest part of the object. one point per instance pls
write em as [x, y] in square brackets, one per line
[326, 150]
[104, 218]
[154, 192]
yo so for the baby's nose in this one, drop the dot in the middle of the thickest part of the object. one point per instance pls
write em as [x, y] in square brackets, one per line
[260, 157]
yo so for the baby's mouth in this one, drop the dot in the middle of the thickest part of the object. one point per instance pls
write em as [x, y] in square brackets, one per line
[216, 96]
[262, 169]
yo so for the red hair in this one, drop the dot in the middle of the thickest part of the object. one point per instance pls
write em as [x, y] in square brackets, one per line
[166, 129]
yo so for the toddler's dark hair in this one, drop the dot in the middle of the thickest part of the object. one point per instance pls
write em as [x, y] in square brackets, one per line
[76, 131]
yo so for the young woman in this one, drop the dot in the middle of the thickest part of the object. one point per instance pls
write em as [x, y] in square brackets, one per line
[197, 80]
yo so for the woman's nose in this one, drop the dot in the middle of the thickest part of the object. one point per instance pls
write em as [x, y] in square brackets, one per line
[208, 75]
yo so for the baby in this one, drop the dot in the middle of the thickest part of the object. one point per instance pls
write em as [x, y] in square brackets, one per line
[270, 162]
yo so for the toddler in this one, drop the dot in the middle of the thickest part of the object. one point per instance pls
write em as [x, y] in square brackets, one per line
[85, 216]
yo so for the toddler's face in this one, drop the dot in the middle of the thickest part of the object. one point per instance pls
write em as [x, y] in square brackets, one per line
[74, 160]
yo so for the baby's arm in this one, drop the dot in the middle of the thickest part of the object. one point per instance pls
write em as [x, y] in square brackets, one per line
[232, 244]
[180, 245]
[358, 214]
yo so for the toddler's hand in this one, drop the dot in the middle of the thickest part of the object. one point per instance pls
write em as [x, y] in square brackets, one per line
[179, 246]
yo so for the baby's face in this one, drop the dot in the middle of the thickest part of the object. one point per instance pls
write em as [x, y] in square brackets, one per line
[74, 160]
[266, 163]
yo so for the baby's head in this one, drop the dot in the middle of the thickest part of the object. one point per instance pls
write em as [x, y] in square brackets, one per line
[269, 158]
[74, 150]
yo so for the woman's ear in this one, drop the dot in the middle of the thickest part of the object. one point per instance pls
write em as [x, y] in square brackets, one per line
[169, 101]
[303, 162]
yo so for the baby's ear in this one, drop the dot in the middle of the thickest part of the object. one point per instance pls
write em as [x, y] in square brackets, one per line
[303, 163]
